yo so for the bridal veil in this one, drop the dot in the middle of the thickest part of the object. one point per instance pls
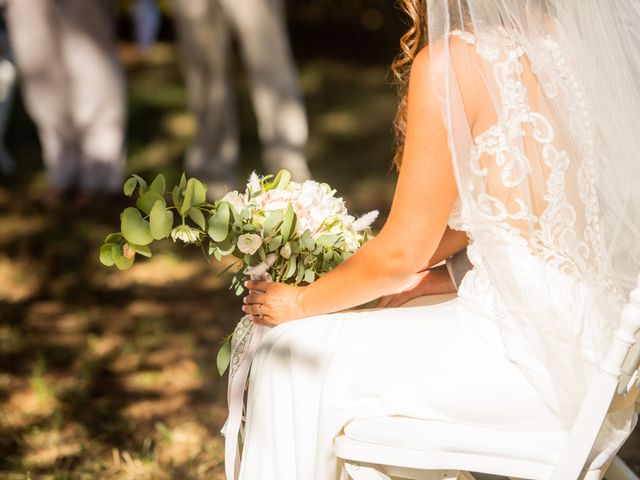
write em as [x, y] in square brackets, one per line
[548, 176]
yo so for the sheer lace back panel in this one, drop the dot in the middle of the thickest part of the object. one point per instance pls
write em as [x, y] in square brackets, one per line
[528, 202]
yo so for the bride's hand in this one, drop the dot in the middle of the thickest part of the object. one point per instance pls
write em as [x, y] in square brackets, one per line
[434, 281]
[272, 303]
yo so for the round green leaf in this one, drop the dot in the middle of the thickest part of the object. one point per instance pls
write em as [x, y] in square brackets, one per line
[113, 238]
[291, 267]
[219, 223]
[288, 223]
[282, 180]
[160, 221]
[146, 201]
[134, 229]
[105, 255]
[272, 221]
[223, 357]
[142, 182]
[130, 186]
[197, 216]
[187, 203]
[143, 250]
[199, 192]
[158, 185]
[176, 194]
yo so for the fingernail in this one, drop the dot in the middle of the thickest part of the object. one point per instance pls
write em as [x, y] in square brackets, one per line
[246, 284]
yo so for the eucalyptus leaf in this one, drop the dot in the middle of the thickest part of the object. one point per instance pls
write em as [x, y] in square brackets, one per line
[147, 200]
[105, 254]
[143, 250]
[176, 195]
[187, 203]
[219, 223]
[226, 248]
[224, 356]
[272, 221]
[288, 223]
[130, 186]
[300, 274]
[291, 268]
[183, 182]
[142, 182]
[309, 275]
[275, 243]
[199, 192]
[158, 185]
[197, 216]
[134, 228]
[282, 180]
[160, 221]
[113, 238]
[307, 241]
[327, 240]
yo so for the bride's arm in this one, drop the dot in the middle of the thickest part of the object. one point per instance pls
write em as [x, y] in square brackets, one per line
[452, 242]
[425, 194]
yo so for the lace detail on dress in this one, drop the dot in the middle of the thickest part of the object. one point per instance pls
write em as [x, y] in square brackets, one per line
[565, 223]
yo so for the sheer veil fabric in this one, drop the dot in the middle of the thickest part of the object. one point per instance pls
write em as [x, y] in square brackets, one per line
[548, 173]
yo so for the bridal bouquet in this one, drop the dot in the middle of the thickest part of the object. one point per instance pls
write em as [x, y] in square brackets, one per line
[276, 229]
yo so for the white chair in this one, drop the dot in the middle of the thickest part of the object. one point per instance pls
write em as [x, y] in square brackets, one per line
[406, 448]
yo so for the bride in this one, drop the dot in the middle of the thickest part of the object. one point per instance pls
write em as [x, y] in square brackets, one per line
[518, 134]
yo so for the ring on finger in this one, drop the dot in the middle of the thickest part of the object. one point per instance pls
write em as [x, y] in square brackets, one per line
[260, 314]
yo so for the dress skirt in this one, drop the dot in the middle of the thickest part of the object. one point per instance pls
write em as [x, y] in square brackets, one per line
[313, 376]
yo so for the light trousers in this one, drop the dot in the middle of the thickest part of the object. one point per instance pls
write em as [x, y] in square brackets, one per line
[204, 29]
[73, 88]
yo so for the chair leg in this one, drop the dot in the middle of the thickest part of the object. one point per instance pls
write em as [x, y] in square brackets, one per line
[618, 470]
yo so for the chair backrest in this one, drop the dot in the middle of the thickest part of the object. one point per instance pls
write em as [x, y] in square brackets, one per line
[614, 386]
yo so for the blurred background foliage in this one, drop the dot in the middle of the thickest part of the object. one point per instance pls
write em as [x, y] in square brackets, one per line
[108, 374]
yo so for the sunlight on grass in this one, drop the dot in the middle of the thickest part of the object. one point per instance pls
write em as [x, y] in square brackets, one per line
[19, 279]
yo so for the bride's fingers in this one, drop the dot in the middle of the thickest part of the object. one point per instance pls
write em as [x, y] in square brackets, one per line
[399, 300]
[384, 301]
[256, 309]
[254, 298]
[257, 285]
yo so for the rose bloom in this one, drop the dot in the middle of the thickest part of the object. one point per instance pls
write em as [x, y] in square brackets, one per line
[249, 243]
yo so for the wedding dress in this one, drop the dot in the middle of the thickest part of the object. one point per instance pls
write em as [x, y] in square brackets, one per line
[517, 346]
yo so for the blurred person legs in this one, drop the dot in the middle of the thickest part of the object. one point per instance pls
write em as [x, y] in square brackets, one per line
[204, 28]
[264, 42]
[7, 87]
[204, 43]
[73, 89]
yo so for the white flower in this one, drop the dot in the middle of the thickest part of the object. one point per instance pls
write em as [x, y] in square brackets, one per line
[236, 200]
[185, 233]
[286, 250]
[249, 243]
[254, 185]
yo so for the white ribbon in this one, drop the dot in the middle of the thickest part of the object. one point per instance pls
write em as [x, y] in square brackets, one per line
[244, 343]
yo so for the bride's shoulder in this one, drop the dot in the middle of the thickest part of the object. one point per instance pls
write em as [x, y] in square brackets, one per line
[434, 63]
